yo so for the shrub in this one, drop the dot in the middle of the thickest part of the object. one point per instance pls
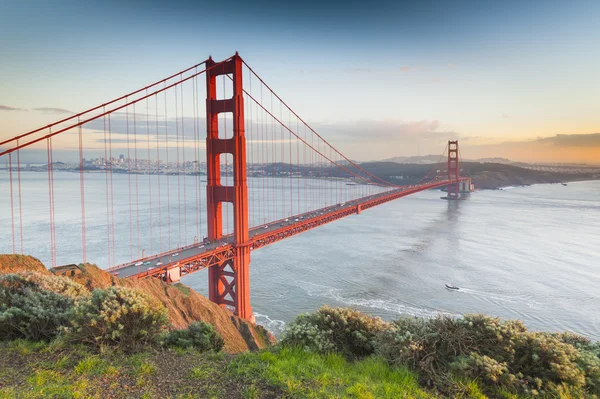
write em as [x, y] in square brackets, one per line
[30, 309]
[500, 353]
[341, 329]
[118, 316]
[60, 285]
[199, 335]
[481, 368]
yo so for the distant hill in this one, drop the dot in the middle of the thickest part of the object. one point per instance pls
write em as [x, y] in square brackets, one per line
[428, 159]
[485, 175]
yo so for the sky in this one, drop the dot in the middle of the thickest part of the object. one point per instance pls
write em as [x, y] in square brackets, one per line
[512, 79]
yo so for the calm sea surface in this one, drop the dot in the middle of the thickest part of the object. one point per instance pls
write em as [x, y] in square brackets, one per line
[531, 253]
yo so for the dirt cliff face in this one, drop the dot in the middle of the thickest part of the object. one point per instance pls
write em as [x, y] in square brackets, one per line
[184, 304]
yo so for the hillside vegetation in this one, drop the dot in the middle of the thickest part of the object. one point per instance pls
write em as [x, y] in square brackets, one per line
[184, 305]
[63, 339]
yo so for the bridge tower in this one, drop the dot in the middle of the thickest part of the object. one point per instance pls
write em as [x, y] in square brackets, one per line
[453, 170]
[228, 283]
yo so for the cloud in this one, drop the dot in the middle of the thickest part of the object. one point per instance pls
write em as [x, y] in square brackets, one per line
[122, 124]
[53, 110]
[504, 116]
[576, 148]
[572, 140]
[368, 130]
[7, 108]
[405, 69]
[45, 110]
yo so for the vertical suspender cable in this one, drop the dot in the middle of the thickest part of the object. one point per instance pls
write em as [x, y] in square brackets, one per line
[148, 170]
[167, 174]
[82, 194]
[20, 202]
[185, 236]
[105, 166]
[12, 207]
[112, 196]
[129, 182]
[51, 200]
[137, 187]
[291, 181]
[298, 166]
[160, 244]
[178, 170]
[196, 169]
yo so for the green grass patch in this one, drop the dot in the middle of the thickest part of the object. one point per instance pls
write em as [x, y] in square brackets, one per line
[91, 365]
[200, 373]
[51, 384]
[303, 374]
[25, 347]
[185, 290]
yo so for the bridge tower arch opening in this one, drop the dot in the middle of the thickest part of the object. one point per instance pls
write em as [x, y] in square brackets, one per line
[229, 282]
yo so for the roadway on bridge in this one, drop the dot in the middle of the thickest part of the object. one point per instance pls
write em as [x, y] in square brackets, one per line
[180, 255]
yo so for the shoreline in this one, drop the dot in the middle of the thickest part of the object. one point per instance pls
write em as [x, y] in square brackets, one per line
[500, 188]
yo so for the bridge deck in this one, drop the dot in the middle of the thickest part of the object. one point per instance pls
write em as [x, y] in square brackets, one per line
[200, 256]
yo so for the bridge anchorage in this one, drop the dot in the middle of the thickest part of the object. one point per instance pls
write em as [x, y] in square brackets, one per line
[286, 179]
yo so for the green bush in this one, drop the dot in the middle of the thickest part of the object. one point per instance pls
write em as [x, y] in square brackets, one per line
[118, 316]
[199, 335]
[500, 353]
[29, 307]
[344, 330]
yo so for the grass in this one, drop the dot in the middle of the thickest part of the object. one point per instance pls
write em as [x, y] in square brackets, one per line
[55, 370]
[91, 365]
[60, 371]
[185, 290]
[26, 347]
[302, 374]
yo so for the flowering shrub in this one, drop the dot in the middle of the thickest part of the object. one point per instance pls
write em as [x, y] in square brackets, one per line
[345, 330]
[199, 335]
[479, 367]
[118, 316]
[60, 285]
[35, 306]
[501, 353]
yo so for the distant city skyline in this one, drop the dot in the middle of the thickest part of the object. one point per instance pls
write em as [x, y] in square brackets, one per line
[508, 79]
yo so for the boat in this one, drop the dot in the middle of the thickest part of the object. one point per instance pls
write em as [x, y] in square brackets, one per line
[452, 287]
[564, 184]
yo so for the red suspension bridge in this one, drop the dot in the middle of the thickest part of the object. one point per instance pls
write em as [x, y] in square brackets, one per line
[267, 175]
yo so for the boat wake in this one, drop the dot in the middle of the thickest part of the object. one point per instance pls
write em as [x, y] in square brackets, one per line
[500, 298]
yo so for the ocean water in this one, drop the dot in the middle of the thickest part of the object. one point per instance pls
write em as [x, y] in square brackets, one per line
[531, 253]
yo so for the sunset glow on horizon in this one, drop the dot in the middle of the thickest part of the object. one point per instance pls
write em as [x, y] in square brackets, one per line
[513, 80]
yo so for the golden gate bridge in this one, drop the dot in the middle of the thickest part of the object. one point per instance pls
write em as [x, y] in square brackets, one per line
[298, 180]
